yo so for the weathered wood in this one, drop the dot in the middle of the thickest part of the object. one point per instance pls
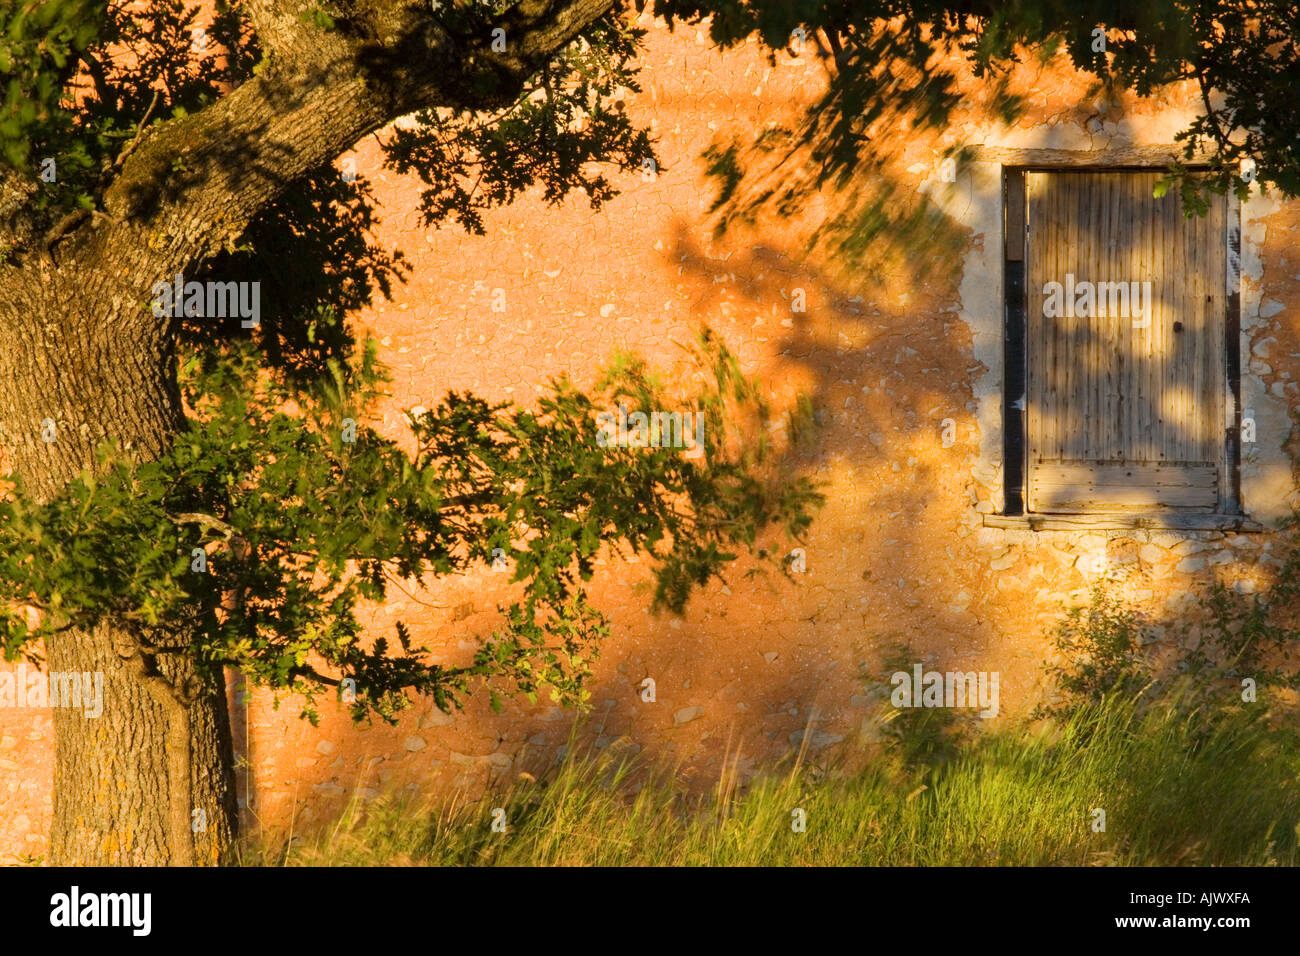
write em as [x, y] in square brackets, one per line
[1114, 389]
[1036, 360]
[1153, 521]
[1232, 359]
[1013, 224]
[1074, 487]
[1146, 157]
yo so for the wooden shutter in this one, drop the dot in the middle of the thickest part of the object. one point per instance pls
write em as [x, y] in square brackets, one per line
[1119, 417]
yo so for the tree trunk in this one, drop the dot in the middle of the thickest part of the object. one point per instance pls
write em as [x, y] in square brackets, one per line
[120, 792]
[150, 781]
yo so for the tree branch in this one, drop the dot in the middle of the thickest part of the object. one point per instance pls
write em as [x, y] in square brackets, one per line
[135, 140]
[193, 183]
[205, 520]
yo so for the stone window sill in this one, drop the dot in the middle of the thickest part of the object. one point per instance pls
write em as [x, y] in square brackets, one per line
[1098, 522]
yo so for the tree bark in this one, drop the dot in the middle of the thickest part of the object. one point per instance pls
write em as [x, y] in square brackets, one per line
[150, 782]
[78, 363]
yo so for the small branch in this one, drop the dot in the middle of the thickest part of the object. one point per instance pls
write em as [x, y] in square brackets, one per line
[139, 131]
[306, 670]
[394, 581]
[63, 227]
[207, 521]
[1209, 111]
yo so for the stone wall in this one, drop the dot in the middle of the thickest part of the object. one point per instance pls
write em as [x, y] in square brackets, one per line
[890, 345]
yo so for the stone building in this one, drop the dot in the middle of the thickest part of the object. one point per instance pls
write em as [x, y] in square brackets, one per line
[974, 487]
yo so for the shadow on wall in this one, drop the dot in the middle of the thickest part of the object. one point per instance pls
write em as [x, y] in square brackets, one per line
[884, 361]
[866, 326]
[754, 663]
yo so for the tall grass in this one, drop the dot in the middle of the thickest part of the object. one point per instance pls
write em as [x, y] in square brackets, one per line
[1178, 787]
[1135, 762]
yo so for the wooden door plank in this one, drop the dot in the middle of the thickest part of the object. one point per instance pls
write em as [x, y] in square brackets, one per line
[1068, 404]
[1216, 341]
[1115, 365]
[1074, 487]
[1082, 499]
[1035, 360]
[1162, 321]
[1195, 323]
[1140, 266]
[1087, 390]
[1176, 383]
[1199, 474]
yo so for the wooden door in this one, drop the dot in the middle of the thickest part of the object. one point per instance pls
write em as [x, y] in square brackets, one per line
[1125, 397]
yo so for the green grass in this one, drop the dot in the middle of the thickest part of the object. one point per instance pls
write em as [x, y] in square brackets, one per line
[1178, 788]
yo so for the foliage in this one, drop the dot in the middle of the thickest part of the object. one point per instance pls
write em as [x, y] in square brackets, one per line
[296, 525]
[1253, 635]
[1101, 649]
[85, 77]
[918, 736]
[885, 66]
[125, 68]
[1108, 649]
[570, 115]
[91, 75]
[312, 250]
[40, 44]
[299, 525]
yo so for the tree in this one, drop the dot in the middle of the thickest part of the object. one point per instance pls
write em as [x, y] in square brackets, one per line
[136, 148]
